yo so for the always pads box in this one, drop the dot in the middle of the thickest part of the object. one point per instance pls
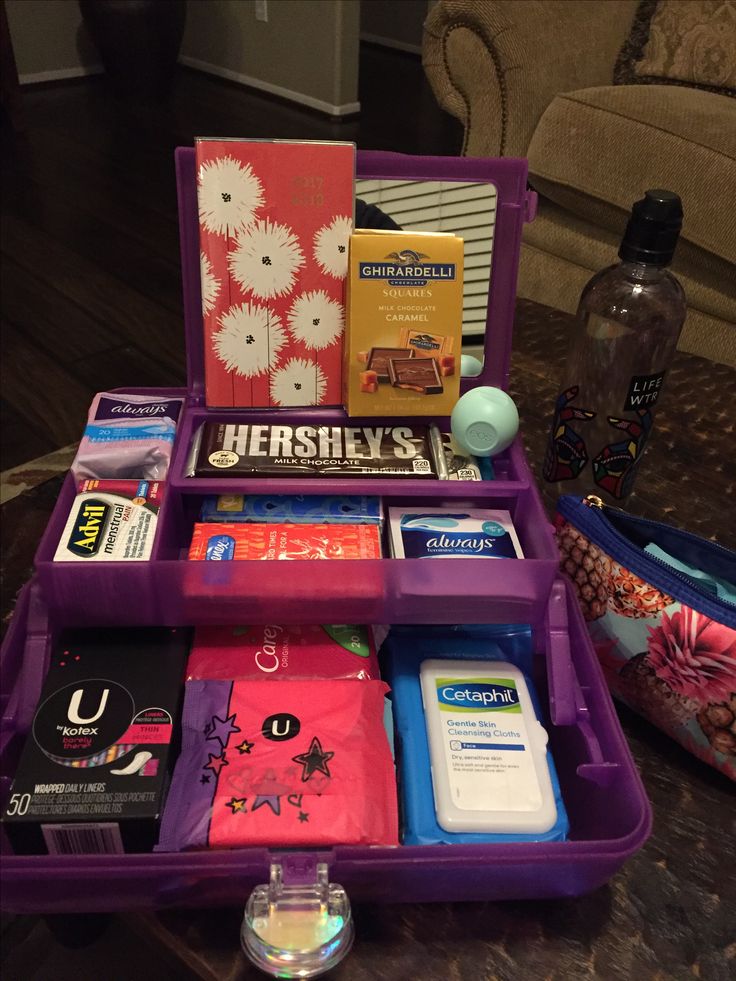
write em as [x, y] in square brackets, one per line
[404, 326]
[274, 221]
[94, 769]
[426, 533]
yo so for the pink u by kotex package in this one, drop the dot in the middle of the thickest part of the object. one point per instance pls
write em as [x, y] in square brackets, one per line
[280, 652]
[297, 764]
[127, 437]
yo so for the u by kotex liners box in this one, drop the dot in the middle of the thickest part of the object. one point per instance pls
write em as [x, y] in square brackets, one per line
[280, 651]
[111, 521]
[223, 542]
[299, 509]
[424, 533]
[95, 764]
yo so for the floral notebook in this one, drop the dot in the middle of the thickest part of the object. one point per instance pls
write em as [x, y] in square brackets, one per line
[274, 222]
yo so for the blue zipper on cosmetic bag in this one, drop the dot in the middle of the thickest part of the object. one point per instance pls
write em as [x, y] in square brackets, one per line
[612, 530]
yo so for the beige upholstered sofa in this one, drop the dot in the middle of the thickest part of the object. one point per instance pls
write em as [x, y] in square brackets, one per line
[534, 78]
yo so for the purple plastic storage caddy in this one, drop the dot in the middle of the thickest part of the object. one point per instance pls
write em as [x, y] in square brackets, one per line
[368, 591]
[609, 814]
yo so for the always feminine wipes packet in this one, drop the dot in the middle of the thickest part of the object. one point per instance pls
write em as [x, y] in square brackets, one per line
[450, 532]
[128, 437]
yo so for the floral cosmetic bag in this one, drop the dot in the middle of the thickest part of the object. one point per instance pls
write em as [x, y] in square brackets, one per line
[661, 610]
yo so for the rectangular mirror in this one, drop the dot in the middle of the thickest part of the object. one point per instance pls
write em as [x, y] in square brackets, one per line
[467, 209]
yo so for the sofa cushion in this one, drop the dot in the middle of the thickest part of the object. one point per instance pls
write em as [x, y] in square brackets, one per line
[709, 282]
[595, 151]
[679, 43]
[558, 282]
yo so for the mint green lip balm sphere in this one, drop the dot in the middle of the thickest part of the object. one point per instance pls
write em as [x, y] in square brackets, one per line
[470, 366]
[485, 421]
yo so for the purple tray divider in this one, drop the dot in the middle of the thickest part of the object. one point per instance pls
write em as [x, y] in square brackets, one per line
[511, 463]
[186, 185]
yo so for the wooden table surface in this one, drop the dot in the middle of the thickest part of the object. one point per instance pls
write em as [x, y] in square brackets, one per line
[669, 913]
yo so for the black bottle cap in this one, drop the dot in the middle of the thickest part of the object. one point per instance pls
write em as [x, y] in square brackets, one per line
[652, 232]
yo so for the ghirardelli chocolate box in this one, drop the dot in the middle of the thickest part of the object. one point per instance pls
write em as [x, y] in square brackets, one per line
[250, 449]
[95, 767]
[404, 328]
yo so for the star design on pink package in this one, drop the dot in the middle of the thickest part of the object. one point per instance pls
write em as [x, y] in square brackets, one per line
[314, 761]
[274, 224]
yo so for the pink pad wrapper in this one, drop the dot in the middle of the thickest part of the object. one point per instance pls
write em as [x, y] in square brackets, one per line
[298, 764]
[128, 437]
[279, 652]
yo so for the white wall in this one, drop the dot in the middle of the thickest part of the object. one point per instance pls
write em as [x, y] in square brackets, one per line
[307, 51]
[49, 40]
[394, 23]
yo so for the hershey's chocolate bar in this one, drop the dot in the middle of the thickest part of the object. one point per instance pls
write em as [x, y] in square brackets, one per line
[253, 449]
[416, 374]
[379, 359]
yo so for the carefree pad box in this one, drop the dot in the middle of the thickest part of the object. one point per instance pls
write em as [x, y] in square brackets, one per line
[95, 766]
[281, 651]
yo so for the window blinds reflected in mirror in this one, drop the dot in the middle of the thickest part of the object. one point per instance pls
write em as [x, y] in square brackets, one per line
[468, 210]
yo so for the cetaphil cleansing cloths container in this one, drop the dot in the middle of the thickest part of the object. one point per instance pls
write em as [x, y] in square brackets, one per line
[487, 748]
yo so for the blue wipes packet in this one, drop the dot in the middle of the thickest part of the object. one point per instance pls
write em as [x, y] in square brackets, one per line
[403, 654]
[293, 509]
[424, 533]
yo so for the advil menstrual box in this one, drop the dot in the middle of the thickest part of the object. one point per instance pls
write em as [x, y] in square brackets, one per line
[404, 323]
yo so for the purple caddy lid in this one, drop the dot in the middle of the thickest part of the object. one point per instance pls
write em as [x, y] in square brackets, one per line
[515, 205]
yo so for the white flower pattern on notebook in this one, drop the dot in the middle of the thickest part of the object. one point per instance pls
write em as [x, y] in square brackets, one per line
[266, 259]
[331, 247]
[211, 285]
[316, 320]
[299, 382]
[249, 339]
[229, 195]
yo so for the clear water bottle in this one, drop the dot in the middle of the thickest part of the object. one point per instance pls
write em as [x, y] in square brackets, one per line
[627, 327]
